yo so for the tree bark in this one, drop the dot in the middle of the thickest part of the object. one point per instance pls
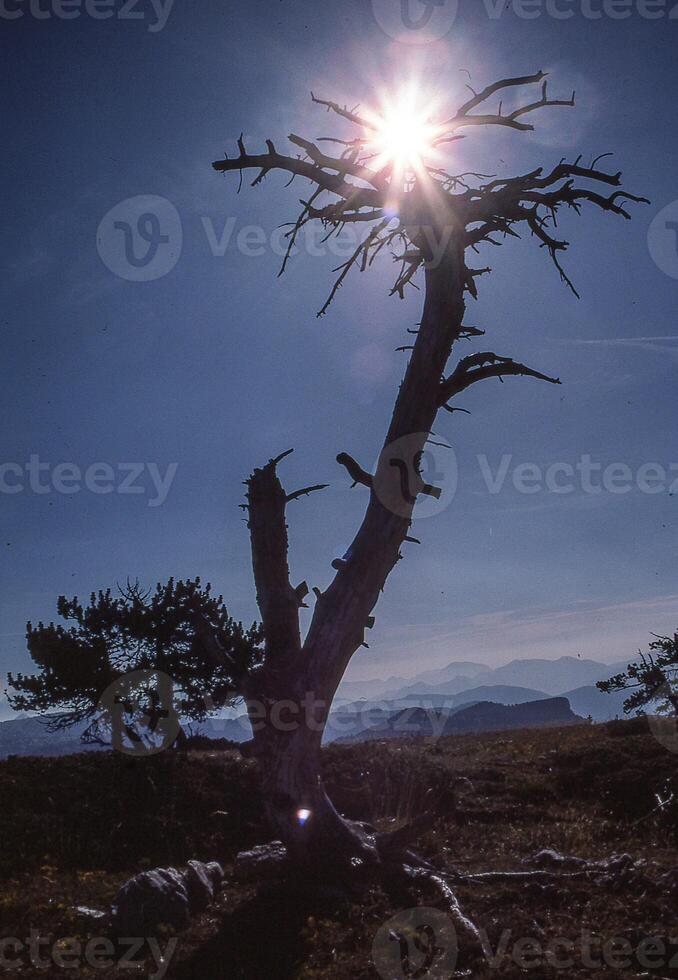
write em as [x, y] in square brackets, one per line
[295, 687]
[440, 216]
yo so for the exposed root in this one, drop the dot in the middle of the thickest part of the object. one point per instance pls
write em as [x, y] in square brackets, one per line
[399, 870]
[517, 877]
[469, 933]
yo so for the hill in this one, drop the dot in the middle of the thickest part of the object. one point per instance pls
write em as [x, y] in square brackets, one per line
[31, 736]
[600, 706]
[350, 720]
[484, 716]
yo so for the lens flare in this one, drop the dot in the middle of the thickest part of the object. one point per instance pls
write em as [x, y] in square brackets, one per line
[403, 134]
[404, 137]
[303, 815]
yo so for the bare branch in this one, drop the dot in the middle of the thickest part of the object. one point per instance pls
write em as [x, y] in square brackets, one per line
[362, 249]
[532, 198]
[343, 165]
[355, 470]
[344, 112]
[471, 276]
[479, 367]
[511, 120]
[303, 218]
[301, 592]
[504, 83]
[452, 409]
[272, 160]
[276, 598]
[302, 493]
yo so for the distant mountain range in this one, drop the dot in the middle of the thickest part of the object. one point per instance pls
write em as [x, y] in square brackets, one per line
[552, 677]
[463, 696]
[31, 736]
[376, 688]
[484, 716]
[349, 720]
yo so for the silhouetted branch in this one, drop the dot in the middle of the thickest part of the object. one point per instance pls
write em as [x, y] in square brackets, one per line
[463, 118]
[333, 183]
[501, 205]
[305, 490]
[488, 212]
[344, 112]
[277, 600]
[480, 367]
[355, 470]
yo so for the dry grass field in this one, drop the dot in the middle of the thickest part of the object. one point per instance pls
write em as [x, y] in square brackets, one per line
[73, 829]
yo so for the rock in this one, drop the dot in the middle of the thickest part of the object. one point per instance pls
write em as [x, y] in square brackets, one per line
[150, 899]
[90, 915]
[620, 871]
[616, 863]
[165, 896]
[203, 882]
[265, 861]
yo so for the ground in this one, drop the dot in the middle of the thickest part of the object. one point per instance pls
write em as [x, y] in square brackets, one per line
[74, 829]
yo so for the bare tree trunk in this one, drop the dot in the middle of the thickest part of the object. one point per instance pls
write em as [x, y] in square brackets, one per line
[294, 689]
[440, 217]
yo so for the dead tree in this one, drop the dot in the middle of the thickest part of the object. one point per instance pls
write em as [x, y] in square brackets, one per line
[434, 219]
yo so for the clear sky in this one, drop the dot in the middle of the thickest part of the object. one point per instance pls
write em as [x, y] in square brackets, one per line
[218, 365]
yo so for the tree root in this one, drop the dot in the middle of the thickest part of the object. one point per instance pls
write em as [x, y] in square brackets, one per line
[399, 869]
[467, 930]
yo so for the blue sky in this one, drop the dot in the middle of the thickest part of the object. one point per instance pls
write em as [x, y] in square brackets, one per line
[218, 365]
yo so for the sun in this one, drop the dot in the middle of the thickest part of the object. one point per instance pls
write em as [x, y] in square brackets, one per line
[403, 134]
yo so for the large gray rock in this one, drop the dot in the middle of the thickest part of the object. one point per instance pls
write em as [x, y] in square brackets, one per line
[165, 896]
